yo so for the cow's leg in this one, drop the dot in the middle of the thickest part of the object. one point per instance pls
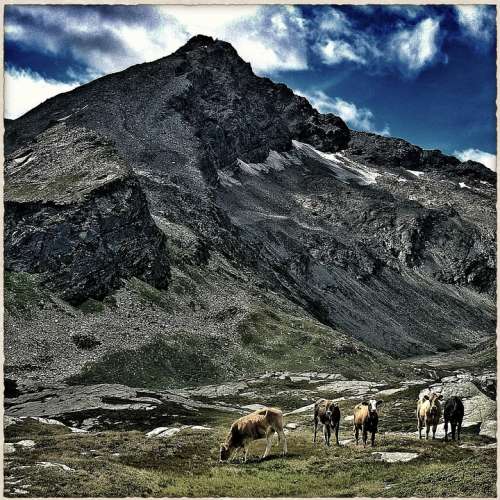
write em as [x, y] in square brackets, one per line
[446, 430]
[434, 428]
[356, 434]
[315, 428]
[427, 429]
[269, 443]
[245, 446]
[324, 433]
[453, 430]
[328, 434]
[373, 438]
[282, 438]
[365, 436]
[337, 433]
[419, 427]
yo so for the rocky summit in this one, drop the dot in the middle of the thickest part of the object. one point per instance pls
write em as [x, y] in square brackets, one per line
[185, 221]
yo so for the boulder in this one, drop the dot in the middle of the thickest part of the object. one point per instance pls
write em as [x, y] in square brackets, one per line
[26, 443]
[394, 456]
[489, 429]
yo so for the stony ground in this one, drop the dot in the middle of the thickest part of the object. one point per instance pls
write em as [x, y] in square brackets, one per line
[177, 454]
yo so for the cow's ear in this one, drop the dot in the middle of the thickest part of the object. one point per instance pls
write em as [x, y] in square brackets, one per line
[440, 397]
[426, 397]
[380, 402]
[365, 403]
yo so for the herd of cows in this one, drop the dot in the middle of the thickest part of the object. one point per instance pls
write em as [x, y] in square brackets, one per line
[265, 422]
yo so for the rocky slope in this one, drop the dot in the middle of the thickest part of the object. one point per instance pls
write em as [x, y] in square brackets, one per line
[195, 220]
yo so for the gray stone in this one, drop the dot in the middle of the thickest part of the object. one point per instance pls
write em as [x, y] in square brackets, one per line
[8, 448]
[63, 467]
[393, 456]
[254, 407]
[26, 443]
[489, 429]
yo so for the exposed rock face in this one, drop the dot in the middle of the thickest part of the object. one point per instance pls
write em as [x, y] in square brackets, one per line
[374, 237]
[77, 217]
[106, 405]
[390, 152]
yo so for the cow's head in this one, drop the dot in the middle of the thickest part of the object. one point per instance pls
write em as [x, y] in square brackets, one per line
[329, 412]
[224, 452]
[373, 404]
[435, 405]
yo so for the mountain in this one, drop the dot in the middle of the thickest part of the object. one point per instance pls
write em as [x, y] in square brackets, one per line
[187, 221]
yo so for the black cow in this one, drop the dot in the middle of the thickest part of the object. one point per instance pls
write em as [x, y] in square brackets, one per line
[454, 414]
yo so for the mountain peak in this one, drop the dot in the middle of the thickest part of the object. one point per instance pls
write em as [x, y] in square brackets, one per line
[204, 41]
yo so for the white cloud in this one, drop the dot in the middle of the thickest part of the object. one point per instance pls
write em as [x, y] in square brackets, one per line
[410, 46]
[476, 20]
[273, 40]
[357, 118]
[33, 88]
[335, 51]
[418, 47]
[333, 21]
[207, 20]
[487, 159]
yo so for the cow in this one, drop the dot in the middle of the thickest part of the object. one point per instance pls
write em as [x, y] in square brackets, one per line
[428, 414]
[453, 414]
[260, 424]
[366, 420]
[328, 413]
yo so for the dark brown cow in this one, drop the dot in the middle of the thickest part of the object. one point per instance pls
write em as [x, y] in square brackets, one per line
[328, 413]
[259, 424]
[366, 420]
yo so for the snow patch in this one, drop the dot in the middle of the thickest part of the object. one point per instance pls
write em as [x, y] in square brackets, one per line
[416, 173]
[463, 185]
[228, 180]
[274, 161]
[344, 168]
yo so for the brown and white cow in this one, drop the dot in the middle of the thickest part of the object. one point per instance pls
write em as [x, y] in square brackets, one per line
[257, 425]
[327, 412]
[366, 420]
[428, 414]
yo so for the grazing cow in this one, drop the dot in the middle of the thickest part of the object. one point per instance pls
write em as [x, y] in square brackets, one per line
[328, 413]
[428, 414]
[259, 424]
[454, 414]
[366, 420]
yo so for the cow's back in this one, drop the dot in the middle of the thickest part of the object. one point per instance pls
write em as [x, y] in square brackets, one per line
[423, 408]
[360, 414]
[454, 409]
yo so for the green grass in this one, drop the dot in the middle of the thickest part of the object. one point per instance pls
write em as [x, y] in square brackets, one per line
[91, 306]
[187, 465]
[264, 338]
[21, 293]
[169, 362]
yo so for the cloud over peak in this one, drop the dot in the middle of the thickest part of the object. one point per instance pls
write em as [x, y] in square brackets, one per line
[487, 159]
[356, 117]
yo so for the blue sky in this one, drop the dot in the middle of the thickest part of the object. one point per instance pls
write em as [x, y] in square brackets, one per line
[423, 73]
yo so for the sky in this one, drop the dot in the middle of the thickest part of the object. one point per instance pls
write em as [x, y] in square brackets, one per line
[426, 74]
